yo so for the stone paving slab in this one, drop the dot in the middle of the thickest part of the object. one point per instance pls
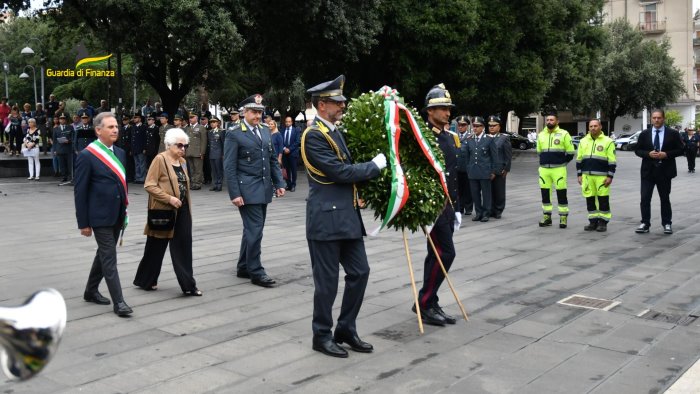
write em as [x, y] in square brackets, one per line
[239, 338]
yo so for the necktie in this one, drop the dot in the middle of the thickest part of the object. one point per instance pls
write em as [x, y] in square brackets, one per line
[257, 132]
[286, 136]
[657, 145]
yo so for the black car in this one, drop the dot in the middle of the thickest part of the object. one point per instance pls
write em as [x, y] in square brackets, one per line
[517, 141]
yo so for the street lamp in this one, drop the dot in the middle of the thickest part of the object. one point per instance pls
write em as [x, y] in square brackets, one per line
[29, 51]
[5, 70]
[24, 75]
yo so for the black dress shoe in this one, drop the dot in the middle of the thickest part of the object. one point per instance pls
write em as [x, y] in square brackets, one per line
[485, 219]
[243, 274]
[97, 298]
[430, 316]
[292, 189]
[643, 228]
[121, 309]
[667, 229]
[353, 340]
[476, 218]
[448, 319]
[497, 215]
[329, 348]
[212, 189]
[264, 281]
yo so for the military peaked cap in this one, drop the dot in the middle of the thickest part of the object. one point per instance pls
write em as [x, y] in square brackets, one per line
[330, 90]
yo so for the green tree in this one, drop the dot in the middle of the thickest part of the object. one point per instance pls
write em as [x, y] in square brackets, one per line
[674, 118]
[635, 73]
[177, 45]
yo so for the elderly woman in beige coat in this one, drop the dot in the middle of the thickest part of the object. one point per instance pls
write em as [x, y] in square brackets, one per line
[168, 187]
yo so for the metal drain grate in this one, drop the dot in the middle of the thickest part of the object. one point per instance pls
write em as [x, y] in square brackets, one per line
[673, 318]
[581, 301]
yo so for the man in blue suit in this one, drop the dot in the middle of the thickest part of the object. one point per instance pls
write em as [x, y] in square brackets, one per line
[100, 207]
[252, 170]
[290, 152]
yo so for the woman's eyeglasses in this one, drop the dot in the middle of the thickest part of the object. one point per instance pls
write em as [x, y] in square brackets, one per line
[182, 146]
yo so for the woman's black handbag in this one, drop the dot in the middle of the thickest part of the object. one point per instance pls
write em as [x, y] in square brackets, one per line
[162, 219]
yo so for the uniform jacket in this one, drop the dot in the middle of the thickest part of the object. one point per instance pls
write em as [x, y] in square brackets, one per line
[505, 153]
[161, 184]
[83, 136]
[672, 145]
[161, 133]
[250, 166]
[124, 140]
[215, 139]
[480, 157]
[596, 156]
[294, 141]
[198, 140]
[554, 148]
[138, 139]
[100, 198]
[152, 140]
[331, 207]
[450, 146]
[65, 148]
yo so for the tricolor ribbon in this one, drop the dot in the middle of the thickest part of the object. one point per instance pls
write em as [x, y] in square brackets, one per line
[399, 186]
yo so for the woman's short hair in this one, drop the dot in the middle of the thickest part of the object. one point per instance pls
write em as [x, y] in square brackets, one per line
[174, 134]
[31, 120]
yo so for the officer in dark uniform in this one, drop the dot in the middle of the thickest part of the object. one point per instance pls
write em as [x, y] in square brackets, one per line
[152, 139]
[125, 142]
[251, 170]
[334, 228]
[465, 196]
[479, 154]
[437, 106]
[84, 134]
[502, 162]
[215, 139]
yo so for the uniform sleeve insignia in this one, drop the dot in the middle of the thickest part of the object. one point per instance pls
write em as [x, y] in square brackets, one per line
[599, 148]
[557, 142]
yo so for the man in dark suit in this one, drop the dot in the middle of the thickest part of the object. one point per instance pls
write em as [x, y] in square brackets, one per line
[290, 152]
[252, 171]
[479, 154]
[658, 147]
[334, 227]
[100, 207]
[502, 166]
[152, 140]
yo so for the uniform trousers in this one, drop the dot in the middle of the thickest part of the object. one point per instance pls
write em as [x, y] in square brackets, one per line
[498, 193]
[441, 234]
[180, 253]
[465, 194]
[140, 163]
[663, 187]
[253, 216]
[194, 166]
[597, 196]
[326, 256]
[217, 171]
[690, 155]
[105, 263]
[553, 178]
[65, 164]
[481, 195]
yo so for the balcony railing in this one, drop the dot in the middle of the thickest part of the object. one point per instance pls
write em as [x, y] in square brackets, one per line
[652, 27]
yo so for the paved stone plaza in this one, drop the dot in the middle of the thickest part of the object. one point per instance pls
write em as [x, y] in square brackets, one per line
[241, 338]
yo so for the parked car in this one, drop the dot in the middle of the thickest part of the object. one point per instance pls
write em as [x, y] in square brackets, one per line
[517, 141]
[576, 140]
[628, 142]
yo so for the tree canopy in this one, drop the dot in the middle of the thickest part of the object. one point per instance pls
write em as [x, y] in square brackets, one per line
[635, 73]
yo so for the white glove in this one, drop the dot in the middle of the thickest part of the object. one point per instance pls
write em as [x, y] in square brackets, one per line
[380, 161]
[458, 220]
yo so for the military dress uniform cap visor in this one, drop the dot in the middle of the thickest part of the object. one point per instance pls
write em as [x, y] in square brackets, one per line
[214, 119]
[494, 120]
[84, 116]
[177, 116]
[164, 115]
[438, 96]
[62, 115]
[329, 90]
[253, 102]
[478, 121]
